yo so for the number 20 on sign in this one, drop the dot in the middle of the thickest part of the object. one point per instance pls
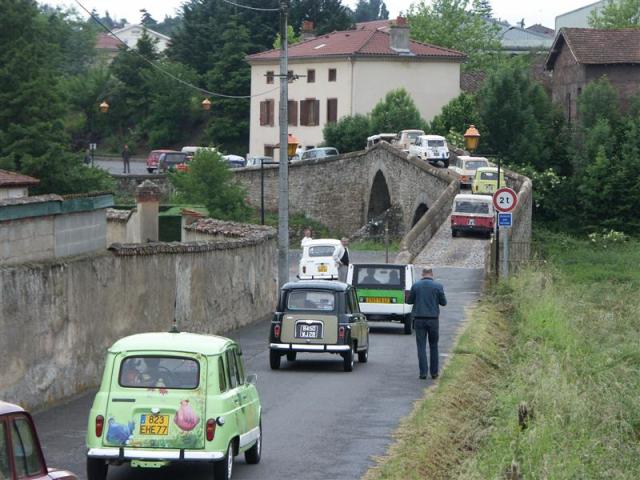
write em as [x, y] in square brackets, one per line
[505, 199]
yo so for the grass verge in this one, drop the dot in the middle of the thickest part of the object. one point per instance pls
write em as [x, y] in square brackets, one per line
[564, 400]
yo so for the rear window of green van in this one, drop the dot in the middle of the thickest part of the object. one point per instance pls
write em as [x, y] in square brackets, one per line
[159, 372]
[387, 277]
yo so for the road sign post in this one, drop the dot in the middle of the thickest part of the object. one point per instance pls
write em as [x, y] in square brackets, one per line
[504, 200]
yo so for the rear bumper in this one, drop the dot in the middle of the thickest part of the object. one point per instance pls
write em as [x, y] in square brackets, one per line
[471, 228]
[301, 347]
[124, 454]
[389, 309]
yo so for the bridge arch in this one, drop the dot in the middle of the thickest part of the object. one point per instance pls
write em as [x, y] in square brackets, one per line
[419, 213]
[379, 198]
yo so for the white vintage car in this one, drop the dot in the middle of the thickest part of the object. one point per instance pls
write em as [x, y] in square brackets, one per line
[318, 260]
[431, 148]
[466, 167]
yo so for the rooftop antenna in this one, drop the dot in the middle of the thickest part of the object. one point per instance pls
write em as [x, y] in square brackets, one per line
[174, 327]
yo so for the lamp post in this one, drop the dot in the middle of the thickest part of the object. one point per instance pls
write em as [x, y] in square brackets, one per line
[206, 104]
[103, 107]
[471, 141]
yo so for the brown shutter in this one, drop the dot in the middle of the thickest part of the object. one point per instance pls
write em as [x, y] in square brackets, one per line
[304, 112]
[271, 109]
[292, 109]
[316, 112]
[332, 110]
[263, 113]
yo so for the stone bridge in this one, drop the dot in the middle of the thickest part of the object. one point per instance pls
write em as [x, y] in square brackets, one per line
[346, 191]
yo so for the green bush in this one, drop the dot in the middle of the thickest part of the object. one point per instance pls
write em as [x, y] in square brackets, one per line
[349, 134]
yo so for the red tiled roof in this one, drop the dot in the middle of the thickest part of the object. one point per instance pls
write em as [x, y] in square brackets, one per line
[13, 179]
[107, 42]
[598, 47]
[356, 43]
[383, 25]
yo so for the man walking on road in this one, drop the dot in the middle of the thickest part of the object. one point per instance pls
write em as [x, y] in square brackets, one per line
[125, 159]
[427, 296]
[341, 258]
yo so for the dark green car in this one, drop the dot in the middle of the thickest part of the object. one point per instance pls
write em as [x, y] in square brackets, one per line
[318, 316]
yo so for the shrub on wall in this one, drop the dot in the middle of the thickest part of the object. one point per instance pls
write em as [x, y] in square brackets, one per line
[349, 134]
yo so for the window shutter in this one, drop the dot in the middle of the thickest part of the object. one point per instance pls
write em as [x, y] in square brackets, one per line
[332, 110]
[304, 112]
[292, 109]
[263, 113]
[316, 112]
[271, 104]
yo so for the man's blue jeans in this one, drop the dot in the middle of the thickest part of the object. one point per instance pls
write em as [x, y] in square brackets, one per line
[427, 328]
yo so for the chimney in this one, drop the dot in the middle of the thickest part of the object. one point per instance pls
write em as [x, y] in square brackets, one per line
[147, 206]
[306, 32]
[399, 39]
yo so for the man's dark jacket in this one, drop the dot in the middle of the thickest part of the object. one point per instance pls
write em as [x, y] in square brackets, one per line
[426, 295]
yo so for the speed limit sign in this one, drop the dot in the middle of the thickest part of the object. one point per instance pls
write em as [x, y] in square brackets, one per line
[505, 199]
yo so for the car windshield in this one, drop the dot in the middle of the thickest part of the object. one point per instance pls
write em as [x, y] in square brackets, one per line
[311, 300]
[378, 276]
[474, 164]
[413, 135]
[436, 143]
[159, 372]
[464, 206]
[321, 251]
[489, 176]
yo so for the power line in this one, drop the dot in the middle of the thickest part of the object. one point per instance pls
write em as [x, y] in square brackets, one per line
[252, 8]
[165, 72]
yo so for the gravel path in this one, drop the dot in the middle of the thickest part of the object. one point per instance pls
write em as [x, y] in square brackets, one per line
[466, 251]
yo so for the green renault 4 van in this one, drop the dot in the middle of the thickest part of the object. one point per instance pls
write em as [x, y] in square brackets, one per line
[174, 397]
[382, 290]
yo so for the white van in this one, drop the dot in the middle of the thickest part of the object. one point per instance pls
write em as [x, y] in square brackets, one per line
[318, 261]
[465, 167]
[432, 148]
[406, 138]
[191, 151]
[375, 139]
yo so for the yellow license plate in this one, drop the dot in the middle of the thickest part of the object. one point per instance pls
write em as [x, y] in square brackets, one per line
[322, 268]
[154, 425]
[378, 300]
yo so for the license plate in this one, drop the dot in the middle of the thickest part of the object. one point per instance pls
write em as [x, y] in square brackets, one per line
[154, 425]
[322, 268]
[471, 221]
[309, 330]
[377, 300]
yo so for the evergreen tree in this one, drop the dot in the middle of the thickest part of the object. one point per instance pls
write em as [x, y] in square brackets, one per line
[599, 99]
[326, 15]
[483, 8]
[396, 112]
[369, 10]
[147, 20]
[617, 14]
[457, 115]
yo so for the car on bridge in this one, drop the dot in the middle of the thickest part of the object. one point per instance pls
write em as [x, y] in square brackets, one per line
[174, 397]
[20, 451]
[406, 138]
[465, 167]
[382, 290]
[318, 261]
[485, 182]
[431, 148]
[318, 317]
[472, 214]
[322, 152]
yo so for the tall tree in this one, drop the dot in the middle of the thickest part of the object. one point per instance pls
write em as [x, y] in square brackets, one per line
[326, 15]
[397, 111]
[369, 10]
[617, 14]
[483, 8]
[147, 20]
[454, 24]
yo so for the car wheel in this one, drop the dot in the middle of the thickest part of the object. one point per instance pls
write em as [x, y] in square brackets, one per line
[454, 233]
[363, 356]
[291, 356]
[274, 359]
[223, 469]
[150, 170]
[252, 456]
[96, 469]
[407, 325]
[348, 359]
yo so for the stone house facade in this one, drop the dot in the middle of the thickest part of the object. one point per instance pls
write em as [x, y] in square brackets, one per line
[581, 55]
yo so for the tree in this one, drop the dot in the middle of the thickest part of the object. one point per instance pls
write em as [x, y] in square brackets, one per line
[453, 24]
[147, 20]
[349, 134]
[483, 8]
[210, 183]
[457, 115]
[395, 112]
[292, 38]
[368, 10]
[616, 14]
[599, 99]
[326, 15]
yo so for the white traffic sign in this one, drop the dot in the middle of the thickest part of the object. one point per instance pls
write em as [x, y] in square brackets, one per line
[505, 199]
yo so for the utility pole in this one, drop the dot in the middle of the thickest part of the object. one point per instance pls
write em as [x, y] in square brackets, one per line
[283, 177]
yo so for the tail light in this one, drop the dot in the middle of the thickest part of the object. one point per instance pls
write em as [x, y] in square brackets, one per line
[211, 429]
[304, 269]
[406, 296]
[276, 330]
[341, 332]
[99, 425]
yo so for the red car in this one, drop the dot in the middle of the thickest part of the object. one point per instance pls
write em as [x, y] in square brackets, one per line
[20, 452]
[153, 160]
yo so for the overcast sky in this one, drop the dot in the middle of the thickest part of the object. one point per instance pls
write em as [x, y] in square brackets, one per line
[539, 11]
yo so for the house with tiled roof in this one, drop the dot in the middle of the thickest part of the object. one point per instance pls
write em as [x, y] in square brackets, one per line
[581, 55]
[347, 73]
[15, 185]
[108, 45]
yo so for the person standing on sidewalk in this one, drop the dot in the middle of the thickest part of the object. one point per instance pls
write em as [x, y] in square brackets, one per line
[341, 257]
[427, 296]
[125, 159]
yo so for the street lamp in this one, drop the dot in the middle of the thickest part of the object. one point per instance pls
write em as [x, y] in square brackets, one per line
[104, 106]
[206, 104]
[292, 144]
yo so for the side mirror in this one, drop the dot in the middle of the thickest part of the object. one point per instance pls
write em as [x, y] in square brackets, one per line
[252, 379]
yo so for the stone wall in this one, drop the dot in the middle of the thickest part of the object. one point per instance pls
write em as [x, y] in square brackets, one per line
[126, 184]
[78, 233]
[58, 318]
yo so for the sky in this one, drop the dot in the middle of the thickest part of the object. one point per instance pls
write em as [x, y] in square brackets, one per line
[539, 11]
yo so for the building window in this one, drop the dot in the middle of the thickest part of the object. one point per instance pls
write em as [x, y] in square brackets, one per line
[268, 150]
[266, 113]
[292, 112]
[311, 76]
[270, 76]
[332, 110]
[310, 112]
[333, 74]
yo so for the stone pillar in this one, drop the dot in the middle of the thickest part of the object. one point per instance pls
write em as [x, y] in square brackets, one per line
[148, 205]
[188, 217]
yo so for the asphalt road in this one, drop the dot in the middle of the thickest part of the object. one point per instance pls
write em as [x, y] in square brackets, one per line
[114, 165]
[319, 422]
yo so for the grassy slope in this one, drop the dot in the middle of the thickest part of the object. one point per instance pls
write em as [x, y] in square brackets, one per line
[574, 360]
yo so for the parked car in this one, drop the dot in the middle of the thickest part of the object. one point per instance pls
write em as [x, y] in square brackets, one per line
[21, 455]
[472, 213]
[431, 148]
[235, 161]
[170, 161]
[485, 180]
[153, 160]
[375, 139]
[191, 151]
[406, 138]
[465, 167]
[321, 152]
[318, 316]
[256, 160]
[317, 261]
[382, 291]
[174, 397]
